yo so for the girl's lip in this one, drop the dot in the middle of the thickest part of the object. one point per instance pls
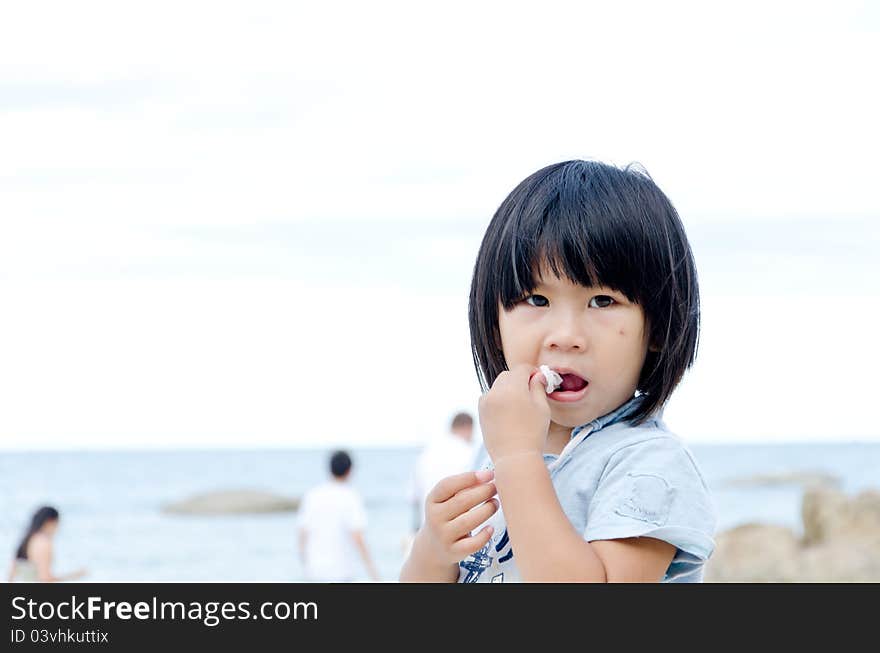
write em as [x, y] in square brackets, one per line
[568, 396]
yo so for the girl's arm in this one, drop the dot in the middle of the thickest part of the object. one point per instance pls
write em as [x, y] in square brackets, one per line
[515, 416]
[548, 549]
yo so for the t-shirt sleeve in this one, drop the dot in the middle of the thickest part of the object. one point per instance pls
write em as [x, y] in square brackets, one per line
[654, 489]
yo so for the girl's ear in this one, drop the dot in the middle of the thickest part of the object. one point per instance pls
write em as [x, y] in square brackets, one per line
[654, 348]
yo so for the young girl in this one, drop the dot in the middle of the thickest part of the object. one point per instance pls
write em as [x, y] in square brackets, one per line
[584, 268]
[33, 558]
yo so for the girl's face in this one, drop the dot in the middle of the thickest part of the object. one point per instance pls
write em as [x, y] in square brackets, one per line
[50, 527]
[594, 333]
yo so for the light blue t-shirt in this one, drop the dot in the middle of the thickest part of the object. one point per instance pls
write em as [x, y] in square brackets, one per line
[615, 480]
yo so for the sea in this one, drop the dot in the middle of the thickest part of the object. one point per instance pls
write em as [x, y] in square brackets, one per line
[112, 521]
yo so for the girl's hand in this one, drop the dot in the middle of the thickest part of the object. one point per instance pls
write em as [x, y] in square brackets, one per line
[453, 508]
[515, 413]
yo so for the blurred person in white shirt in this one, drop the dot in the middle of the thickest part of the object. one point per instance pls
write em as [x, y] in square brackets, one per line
[332, 522]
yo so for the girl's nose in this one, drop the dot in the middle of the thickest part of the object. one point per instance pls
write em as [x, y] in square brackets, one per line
[566, 335]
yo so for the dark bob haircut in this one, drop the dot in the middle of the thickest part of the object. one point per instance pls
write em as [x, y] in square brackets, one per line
[593, 224]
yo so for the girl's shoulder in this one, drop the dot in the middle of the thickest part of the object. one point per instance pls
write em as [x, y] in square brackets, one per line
[653, 433]
[650, 445]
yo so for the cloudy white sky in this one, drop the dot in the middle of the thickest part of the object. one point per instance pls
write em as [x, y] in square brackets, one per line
[202, 203]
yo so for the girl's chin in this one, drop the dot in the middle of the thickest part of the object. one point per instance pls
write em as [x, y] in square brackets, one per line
[570, 419]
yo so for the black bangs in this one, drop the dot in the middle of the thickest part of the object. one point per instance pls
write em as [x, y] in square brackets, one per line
[595, 225]
[582, 227]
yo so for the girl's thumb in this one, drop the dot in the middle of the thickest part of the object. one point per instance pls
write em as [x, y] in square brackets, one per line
[538, 384]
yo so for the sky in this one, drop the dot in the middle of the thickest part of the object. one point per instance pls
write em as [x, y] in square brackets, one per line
[204, 207]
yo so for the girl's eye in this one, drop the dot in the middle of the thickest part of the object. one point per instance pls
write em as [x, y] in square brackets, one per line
[537, 300]
[601, 301]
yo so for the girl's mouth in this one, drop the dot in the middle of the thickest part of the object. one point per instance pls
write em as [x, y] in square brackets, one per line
[573, 388]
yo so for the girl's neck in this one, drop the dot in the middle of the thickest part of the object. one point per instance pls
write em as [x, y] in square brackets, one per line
[557, 437]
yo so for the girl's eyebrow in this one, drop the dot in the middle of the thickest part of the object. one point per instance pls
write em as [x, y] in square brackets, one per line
[540, 283]
[545, 278]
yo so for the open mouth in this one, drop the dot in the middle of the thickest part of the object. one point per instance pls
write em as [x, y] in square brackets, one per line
[572, 383]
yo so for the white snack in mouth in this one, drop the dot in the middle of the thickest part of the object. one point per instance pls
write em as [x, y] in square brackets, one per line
[552, 377]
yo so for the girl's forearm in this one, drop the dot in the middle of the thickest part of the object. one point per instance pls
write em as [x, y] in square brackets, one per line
[545, 545]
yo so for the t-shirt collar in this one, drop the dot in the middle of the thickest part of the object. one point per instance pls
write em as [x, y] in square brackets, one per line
[617, 415]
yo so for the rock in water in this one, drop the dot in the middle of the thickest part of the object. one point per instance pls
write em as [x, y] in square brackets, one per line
[803, 478]
[762, 553]
[841, 543]
[232, 502]
[829, 515]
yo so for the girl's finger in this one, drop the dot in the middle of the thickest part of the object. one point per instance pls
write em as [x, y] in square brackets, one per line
[447, 487]
[523, 372]
[537, 376]
[499, 380]
[538, 385]
[468, 545]
[467, 522]
[466, 499]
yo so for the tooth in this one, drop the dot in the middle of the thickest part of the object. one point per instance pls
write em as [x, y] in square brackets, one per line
[553, 379]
